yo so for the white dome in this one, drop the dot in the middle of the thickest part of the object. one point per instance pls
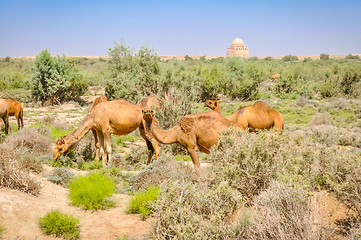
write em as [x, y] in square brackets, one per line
[237, 41]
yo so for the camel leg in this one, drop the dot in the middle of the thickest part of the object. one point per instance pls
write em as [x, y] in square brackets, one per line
[21, 118]
[96, 158]
[101, 148]
[7, 124]
[108, 146]
[152, 144]
[193, 153]
[18, 120]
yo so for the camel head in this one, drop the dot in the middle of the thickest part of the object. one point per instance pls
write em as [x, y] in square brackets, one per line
[62, 148]
[148, 115]
[212, 104]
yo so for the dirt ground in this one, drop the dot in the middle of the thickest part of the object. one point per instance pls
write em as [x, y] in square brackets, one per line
[20, 212]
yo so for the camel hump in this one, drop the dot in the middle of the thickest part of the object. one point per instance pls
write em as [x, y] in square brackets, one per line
[147, 102]
[261, 104]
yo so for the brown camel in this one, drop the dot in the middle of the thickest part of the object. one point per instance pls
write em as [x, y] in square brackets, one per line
[148, 102]
[4, 114]
[98, 100]
[199, 131]
[257, 116]
[275, 76]
[15, 109]
[110, 117]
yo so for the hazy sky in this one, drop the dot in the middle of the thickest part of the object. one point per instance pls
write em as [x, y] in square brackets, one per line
[268, 28]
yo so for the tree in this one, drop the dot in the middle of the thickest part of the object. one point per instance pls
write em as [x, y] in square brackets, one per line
[288, 58]
[350, 56]
[324, 56]
[132, 74]
[55, 81]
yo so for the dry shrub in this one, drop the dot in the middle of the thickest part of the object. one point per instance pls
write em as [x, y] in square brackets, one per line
[248, 162]
[320, 119]
[282, 212]
[161, 170]
[29, 139]
[60, 176]
[48, 119]
[11, 174]
[193, 211]
[331, 135]
[339, 103]
[29, 162]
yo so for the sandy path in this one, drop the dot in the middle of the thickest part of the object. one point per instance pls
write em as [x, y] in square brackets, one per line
[19, 213]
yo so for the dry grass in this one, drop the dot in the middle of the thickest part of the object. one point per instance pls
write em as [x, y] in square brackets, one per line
[12, 175]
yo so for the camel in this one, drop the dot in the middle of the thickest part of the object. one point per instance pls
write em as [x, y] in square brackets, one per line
[148, 102]
[195, 132]
[256, 116]
[4, 114]
[275, 76]
[98, 100]
[110, 117]
[15, 109]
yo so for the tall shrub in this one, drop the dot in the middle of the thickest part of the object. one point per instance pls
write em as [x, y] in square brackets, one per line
[56, 80]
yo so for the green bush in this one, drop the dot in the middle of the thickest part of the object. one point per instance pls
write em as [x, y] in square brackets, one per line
[56, 81]
[59, 224]
[350, 56]
[132, 74]
[142, 201]
[91, 192]
[324, 56]
[288, 58]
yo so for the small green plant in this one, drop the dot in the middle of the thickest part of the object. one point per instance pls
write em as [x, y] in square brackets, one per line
[90, 165]
[142, 201]
[60, 224]
[91, 192]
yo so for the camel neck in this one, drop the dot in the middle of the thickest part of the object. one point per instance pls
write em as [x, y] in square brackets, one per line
[164, 136]
[80, 132]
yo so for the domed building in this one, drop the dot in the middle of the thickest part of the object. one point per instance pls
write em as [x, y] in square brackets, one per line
[237, 49]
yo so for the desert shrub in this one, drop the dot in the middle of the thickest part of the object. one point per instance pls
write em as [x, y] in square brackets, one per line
[268, 58]
[11, 174]
[60, 176]
[30, 162]
[288, 58]
[339, 103]
[56, 80]
[142, 201]
[282, 212]
[331, 135]
[29, 140]
[2, 136]
[301, 101]
[320, 119]
[324, 56]
[66, 161]
[91, 192]
[248, 167]
[60, 224]
[330, 88]
[160, 171]
[194, 211]
[132, 74]
[350, 56]
[136, 158]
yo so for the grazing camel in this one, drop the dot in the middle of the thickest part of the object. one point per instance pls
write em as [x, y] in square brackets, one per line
[15, 109]
[257, 116]
[275, 76]
[110, 117]
[4, 114]
[195, 132]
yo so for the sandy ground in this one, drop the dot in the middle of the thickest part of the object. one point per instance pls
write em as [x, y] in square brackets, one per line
[19, 212]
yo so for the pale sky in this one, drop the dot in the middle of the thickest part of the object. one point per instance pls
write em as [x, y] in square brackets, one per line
[268, 28]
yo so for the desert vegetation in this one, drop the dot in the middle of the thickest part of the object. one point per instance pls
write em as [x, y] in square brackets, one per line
[262, 185]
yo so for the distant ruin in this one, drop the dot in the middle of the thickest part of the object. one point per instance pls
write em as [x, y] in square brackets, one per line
[238, 49]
